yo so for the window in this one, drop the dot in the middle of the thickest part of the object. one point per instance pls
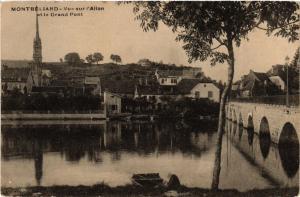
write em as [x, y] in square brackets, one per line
[210, 94]
[162, 80]
[173, 80]
[114, 107]
[197, 94]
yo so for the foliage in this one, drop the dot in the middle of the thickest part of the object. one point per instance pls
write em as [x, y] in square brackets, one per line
[72, 58]
[90, 59]
[115, 58]
[296, 58]
[206, 26]
[98, 57]
[51, 102]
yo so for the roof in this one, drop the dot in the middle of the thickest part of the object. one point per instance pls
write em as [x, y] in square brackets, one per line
[261, 76]
[185, 86]
[15, 74]
[118, 86]
[169, 73]
[277, 70]
[114, 94]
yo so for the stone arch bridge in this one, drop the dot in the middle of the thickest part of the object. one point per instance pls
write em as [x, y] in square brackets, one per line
[278, 121]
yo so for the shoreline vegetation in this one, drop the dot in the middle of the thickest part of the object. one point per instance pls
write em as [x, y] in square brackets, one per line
[132, 190]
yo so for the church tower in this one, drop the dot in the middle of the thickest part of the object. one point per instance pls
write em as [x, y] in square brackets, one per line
[36, 66]
[37, 44]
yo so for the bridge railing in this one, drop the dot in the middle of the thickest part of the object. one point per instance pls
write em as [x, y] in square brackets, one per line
[272, 100]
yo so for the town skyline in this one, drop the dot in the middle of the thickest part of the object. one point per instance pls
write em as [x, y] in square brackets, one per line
[124, 37]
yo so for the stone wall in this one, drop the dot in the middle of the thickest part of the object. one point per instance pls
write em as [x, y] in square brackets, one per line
[276, 115]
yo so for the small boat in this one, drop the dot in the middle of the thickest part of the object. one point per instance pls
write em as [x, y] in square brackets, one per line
[147, 180]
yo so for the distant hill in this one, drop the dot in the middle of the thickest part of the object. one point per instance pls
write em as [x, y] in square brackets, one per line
[15, 63]
[111, 71]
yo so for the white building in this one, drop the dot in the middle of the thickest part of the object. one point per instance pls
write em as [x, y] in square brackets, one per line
[192, 88]
[168, 78]
[278, 81]
[205, 90]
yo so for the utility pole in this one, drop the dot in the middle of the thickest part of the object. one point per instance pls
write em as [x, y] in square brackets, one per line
[287, 81]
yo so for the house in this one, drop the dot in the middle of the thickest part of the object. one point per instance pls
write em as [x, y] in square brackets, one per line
[191, 88]
[279, 81]
[277, 74]
[196, 89]
[15, 79]
[168, 77]
[257, 84]
[92, 85]
[145, 62]
[112, 102]
[122, 87]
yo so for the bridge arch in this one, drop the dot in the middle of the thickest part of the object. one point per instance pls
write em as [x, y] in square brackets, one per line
[264, 137]
[289, 149]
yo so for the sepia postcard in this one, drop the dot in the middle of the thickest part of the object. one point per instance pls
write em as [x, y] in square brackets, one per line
[150, 98]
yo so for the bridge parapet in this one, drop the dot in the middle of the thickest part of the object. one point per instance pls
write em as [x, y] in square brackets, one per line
[276, 116]
[293, 100]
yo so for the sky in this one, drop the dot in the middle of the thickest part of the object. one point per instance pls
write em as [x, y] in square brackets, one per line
[114, 31]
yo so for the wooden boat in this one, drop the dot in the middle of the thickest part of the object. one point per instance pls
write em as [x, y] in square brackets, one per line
[147, 180]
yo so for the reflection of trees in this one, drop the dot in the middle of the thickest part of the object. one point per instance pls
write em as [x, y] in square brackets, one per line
[74, 142]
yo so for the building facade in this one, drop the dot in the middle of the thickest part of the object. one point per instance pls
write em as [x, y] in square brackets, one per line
[112, 103]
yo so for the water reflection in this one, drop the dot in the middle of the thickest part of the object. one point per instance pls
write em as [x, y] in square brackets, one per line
[289, 150]
[77, 143]
[240, 128]
[278, 163]
[265, 142]
[250, 133]
[112, 151]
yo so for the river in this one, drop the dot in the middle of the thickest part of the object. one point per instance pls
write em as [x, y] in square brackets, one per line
[55, 153]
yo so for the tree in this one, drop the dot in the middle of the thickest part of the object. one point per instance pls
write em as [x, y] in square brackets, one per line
[211, 30]
[98, 57]
[72, 58]
[115, 58]
[296, 60]
[89, 59]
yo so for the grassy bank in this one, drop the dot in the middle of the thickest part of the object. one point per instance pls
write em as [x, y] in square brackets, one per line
[130, 190]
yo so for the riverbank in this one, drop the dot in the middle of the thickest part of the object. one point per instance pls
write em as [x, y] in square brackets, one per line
[131, 190]
[86, 115]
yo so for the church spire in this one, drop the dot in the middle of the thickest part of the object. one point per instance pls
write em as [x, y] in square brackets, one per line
[37, 44]
[37, 35]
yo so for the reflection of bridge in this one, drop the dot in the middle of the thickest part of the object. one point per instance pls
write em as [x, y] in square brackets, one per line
[278, 121]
